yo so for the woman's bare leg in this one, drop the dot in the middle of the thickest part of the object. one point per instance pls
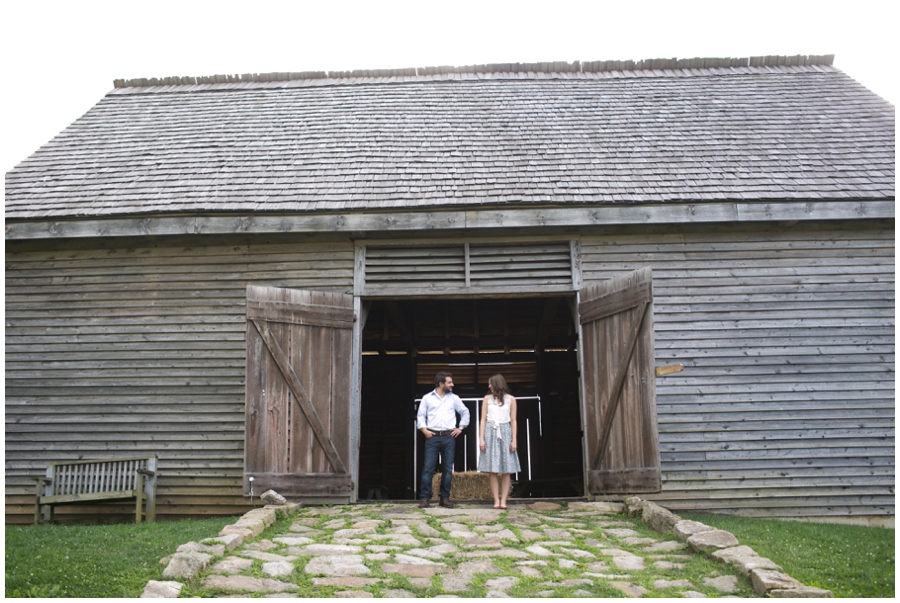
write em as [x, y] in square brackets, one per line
[504, 489]
[495, 488]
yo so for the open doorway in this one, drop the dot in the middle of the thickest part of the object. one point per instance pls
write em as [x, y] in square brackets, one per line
[531, 341]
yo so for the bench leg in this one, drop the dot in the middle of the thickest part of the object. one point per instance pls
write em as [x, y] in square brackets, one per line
[138, 511]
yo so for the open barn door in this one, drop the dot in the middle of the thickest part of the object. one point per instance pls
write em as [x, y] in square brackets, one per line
[619, 393]
[299, 356]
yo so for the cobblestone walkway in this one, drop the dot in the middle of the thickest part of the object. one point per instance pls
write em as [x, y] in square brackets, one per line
[582, 549]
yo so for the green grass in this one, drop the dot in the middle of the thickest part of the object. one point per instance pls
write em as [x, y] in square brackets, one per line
[95, 560]
[851, 561]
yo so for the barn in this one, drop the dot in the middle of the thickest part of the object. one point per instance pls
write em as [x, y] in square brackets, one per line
[684, 268]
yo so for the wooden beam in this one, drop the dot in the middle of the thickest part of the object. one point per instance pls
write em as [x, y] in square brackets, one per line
[550, 306]
[474, 219]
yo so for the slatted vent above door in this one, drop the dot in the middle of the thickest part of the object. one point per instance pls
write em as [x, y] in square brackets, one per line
[415, 266]
[468, 268]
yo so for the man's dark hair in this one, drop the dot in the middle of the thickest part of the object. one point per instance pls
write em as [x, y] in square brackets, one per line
[441, 377]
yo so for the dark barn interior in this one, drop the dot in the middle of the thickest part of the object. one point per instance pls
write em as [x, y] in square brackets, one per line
[530, 341]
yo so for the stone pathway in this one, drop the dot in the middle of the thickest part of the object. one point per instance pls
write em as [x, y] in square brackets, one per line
[579, 549]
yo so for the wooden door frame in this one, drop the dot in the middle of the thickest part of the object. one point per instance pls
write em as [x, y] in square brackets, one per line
[360, 307]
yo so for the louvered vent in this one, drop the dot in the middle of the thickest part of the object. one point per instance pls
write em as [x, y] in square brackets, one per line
[516, 265]
[468, 267]
[416, 266]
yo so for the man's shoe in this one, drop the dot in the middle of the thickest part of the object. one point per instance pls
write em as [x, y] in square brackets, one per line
[424, 503]
[445, 502]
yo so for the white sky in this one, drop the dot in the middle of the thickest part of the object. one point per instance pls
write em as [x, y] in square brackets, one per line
[60, 58]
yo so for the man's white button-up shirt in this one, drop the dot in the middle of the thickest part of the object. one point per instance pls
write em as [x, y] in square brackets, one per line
[440, 413]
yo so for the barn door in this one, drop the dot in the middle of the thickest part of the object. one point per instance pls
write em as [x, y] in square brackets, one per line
[621, 441]
[299, 353]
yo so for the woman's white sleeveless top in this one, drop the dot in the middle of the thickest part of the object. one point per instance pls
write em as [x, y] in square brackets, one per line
[498, 414]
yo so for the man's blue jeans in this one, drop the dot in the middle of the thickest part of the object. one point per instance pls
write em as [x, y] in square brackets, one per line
[445, 446]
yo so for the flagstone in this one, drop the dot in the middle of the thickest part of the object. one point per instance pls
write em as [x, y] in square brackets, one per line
[668, 545]
[397, 593]
[263, 556]
[247, 584]
[621, 532]
[353, 532]
[410, 569]
[293, 540]
[530, 572]
[544, 506]
[503, 583]
[480, 542]
[624, 560]
[330, 549]
[536, 549]
[412, 559]
[672, 583]
[337, 565]
[426, 530]
[576, 552]
[629, 589]
[638, 541]
[725, 584]
[278, 568]
[514, 553]
[347, 581]
[232, 565]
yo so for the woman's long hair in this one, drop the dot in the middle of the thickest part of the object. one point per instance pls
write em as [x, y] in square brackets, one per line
[499, 388]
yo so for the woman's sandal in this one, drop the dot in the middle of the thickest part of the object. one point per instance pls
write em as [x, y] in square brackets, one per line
[497, 507]
[501, 507]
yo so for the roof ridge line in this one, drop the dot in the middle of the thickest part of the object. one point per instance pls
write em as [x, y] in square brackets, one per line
[542, 67]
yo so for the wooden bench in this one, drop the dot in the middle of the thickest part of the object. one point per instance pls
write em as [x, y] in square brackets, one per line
[99, 479]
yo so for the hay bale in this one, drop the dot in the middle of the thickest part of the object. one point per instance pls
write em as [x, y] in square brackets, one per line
[468, 485]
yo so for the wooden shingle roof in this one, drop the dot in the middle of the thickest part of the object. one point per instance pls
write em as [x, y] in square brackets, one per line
[558, 135]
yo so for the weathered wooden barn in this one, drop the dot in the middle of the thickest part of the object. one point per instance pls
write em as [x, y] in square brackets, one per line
[685, 269]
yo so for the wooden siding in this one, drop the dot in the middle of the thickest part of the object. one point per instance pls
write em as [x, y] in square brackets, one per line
[785, 406]
[141, 351]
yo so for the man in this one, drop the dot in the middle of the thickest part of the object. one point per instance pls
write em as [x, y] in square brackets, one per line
[436, 420]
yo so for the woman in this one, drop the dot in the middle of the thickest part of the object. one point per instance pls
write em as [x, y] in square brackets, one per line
[498, 446]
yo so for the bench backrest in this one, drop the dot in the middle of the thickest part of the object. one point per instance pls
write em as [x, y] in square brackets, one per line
[96, 476]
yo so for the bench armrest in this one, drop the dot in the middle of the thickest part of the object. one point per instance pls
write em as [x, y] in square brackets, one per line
[147, 472]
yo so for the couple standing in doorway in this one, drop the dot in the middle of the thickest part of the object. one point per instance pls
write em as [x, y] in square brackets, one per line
[436, 420]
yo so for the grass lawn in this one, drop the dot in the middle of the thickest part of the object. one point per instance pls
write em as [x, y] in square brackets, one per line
[850, 561]
[95, 560]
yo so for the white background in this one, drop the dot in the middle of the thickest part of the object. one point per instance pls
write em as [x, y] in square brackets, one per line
[60, 58]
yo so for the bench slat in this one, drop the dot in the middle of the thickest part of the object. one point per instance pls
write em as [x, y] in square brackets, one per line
[64, 498]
